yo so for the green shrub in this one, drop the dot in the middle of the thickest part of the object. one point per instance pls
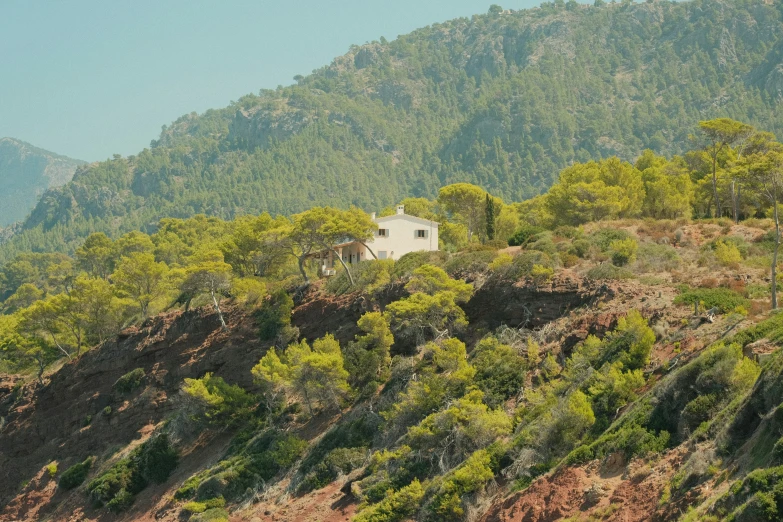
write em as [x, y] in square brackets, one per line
[496, 244]
[541, 274]
[569, 232]
[523, 265]
[523, 234]
[737, 243]
[194, 507]
[106, 411]
[357, 433]
[274, 315]
[446, 503]
[609, 272]
[51, 469]
[724, 299]
[75, 475]
[603, 238]
[579, 456]
[699, 410]
[543, 243]
[130, 381]
[777, 450]
[727, 253]
[580, 247]
[467, 264]
[200, 507]
[623, 251]
[219, 401]
[395, 507]
[340, 461]
[368, 277]
[256, 461]
[153, 461]
[500, 371]
[211, 515]
[121, 501]
[405, 266]
[651, 257]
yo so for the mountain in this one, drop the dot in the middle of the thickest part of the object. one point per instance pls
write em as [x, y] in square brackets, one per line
[503, 100]
[26, 172]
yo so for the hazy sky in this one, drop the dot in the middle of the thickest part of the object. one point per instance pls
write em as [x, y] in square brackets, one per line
[90, 78]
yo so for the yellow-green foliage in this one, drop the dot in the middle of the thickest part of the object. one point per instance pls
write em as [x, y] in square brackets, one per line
[397, 506]
[51, 469]
[200, 507]
[431, 280]
[623, 251]
[541, 274]
[727, 253]
[469, 477]
[468, 420]
[367, 358]
[594, 191]
[422, 316]
[448, 375]
[249, 290]
[503, 261]
[314, 374]
[638, 337]
[217, 400]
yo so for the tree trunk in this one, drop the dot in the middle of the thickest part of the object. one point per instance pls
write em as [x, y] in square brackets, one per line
[734, 202]
[347, 270]
[302, 270]
[41, 367]
[217, 307]
[307, 400]
[59, 347]
[369, 250]
[718, 212]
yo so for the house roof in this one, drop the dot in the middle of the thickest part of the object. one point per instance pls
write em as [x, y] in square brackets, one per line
[407, 217]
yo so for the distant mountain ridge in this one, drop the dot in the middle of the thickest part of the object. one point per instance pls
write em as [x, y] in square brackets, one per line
[504, 100]
[26, 172]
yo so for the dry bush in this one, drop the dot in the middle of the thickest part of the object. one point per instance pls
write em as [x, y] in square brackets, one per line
[738, 285]
[758, 307]
[709, 282]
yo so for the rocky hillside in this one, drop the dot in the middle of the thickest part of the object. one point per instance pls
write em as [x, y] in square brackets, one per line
[26, 172]
[596, 392]
[503, 100]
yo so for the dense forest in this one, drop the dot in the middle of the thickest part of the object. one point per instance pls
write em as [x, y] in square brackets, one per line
[503, 100]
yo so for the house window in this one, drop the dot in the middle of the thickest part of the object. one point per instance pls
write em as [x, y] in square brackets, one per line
[381, 254]
[421, 234]
[383, 232]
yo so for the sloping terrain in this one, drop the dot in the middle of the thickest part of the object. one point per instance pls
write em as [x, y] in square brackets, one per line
[81, 412]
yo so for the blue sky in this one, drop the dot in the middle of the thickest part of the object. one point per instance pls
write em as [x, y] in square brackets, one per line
[90, 78]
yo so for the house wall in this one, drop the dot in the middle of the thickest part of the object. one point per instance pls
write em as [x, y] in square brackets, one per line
[353, 253]
[402, 237]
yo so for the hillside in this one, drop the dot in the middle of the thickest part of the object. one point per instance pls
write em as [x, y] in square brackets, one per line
[503, 100]
[579, 398]
[26, 172]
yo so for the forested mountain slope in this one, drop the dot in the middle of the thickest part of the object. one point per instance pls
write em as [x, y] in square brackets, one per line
[503, 100]
[25, 173]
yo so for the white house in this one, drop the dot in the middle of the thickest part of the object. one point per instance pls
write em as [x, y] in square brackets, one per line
[396, 236]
